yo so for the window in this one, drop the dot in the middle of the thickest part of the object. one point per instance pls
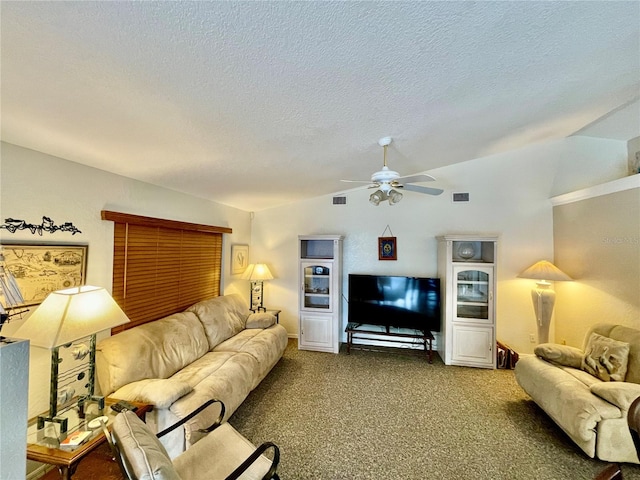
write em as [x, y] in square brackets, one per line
[161, 266]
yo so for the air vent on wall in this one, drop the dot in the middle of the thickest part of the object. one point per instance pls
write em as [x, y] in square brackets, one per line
[339, 200]
[461, 197]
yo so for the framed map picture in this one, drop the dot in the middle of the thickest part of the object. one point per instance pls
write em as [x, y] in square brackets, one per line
[39, 269]
[387, 249]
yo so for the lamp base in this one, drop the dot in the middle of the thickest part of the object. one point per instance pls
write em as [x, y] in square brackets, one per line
[59, 420]
[543, 301]
[84, 400]
[256, 296]
[62, 421]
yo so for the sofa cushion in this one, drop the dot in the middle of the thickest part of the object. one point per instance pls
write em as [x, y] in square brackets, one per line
[260, 320]
[222, 317]
[202, 368]
[265, 345]
[622, 334]
[606, 358]
[231, 382]
[560, 354]
[144, 456]
[160, 392]
[621, 394]
[219, 455]
[154, 350]
[586, 378]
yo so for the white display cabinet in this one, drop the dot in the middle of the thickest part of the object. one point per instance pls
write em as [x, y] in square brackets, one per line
[320, 269]
[467, 269]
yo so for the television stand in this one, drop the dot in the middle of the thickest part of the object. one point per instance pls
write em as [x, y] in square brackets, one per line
[426, 337]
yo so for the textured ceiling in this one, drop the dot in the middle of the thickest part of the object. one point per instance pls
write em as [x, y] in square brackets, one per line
[255, 104]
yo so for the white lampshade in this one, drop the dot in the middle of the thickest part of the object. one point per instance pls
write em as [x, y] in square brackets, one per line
[257, 272]
[546, 271]
[70, 314]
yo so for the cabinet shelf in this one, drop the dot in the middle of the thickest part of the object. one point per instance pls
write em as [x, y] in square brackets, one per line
[470, 262]
[469, 301]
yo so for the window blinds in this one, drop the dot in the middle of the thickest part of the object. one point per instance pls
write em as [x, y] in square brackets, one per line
[162, 267]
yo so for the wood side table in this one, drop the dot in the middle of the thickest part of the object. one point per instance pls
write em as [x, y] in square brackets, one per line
[275, 313]
[44, 445]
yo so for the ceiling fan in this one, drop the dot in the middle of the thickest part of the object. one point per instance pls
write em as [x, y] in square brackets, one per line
[387, 181]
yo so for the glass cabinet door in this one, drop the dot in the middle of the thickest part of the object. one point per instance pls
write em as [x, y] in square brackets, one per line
[473, 293]
[317, 286]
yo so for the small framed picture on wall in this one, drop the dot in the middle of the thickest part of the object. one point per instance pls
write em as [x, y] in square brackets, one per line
[387, 248]
[239, 259]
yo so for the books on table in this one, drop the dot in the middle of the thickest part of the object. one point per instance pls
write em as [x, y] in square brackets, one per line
[74, 440]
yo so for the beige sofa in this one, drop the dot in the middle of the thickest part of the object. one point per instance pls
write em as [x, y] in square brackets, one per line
[216, 349]
[564, 382]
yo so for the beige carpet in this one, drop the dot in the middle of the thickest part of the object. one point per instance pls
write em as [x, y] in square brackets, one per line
[383, 415]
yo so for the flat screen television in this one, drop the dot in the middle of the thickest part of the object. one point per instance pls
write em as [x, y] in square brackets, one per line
[395, 301]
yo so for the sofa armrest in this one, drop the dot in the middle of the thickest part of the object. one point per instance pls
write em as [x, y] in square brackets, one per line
[210, 428]
[621, 394]
[160, 392]
[260, 320]
[560, 354]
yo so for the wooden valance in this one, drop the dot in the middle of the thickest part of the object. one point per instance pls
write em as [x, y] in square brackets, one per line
[160, 222]
[163, 266]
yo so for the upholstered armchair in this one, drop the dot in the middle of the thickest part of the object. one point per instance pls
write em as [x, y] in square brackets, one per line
[222, 453]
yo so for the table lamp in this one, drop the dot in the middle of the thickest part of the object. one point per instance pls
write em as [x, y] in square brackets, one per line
[543, 296]
[65, 316]
[257, 274]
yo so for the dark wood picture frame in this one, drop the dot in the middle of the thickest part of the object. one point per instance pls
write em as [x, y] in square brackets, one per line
[387, 248]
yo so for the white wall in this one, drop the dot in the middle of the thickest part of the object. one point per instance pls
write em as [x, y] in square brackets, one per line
[597, 243]
[34, 185]
[509, 196]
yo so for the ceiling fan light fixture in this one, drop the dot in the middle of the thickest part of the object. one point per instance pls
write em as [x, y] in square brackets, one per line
[387, 181]
[376, 197]
[394, 197]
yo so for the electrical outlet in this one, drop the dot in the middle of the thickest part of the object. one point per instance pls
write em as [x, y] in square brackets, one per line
[532, 338]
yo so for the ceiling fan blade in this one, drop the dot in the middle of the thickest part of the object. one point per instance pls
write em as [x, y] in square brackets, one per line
[422, 177]
[356, 181]
[420, 189]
